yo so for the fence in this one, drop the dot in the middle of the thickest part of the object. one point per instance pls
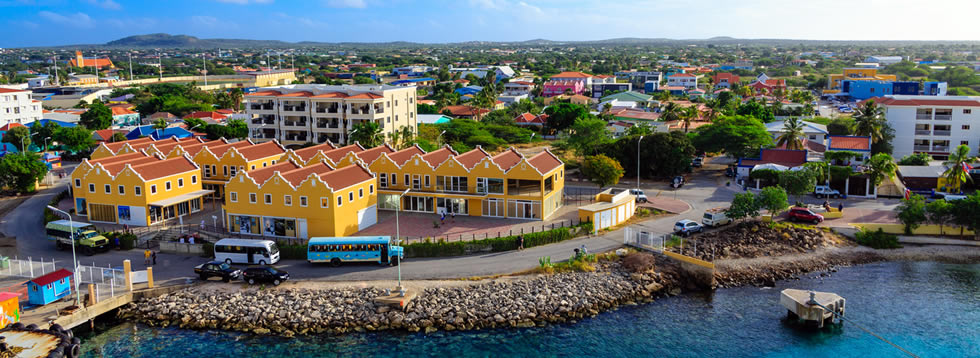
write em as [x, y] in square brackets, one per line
[107, 280]
[666, 243]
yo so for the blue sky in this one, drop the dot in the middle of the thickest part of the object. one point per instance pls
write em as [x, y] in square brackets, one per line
[61, 22]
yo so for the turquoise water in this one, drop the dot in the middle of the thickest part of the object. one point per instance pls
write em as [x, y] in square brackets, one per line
[932, 309]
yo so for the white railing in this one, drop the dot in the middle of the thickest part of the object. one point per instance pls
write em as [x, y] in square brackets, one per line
[108, 281]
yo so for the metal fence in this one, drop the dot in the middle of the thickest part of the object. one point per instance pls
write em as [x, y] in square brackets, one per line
[108, 281]
[659, 242]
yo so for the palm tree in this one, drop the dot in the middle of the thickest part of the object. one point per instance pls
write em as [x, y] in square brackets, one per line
[663, 96]
[606, 108]
[879, 167]
[957, 172]
[160, 123]
[744, 91]
[714, 106]
[869, 120]
[670, 112]
[687, 115]
[792, 132]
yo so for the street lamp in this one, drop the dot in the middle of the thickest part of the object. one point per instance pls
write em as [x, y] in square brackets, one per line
[439, 138]
[398, 261]
[71, 236]
[638, 162]
[351, 134]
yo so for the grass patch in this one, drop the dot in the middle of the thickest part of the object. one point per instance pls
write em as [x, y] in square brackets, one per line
[877, 239]
[576, 263]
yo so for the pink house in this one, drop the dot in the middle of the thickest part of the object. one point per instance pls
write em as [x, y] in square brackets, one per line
[554, 88]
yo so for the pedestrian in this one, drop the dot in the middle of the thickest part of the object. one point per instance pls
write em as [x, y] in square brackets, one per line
[126, 228]
[840, 207]
[146, 257]
[453, 216]
[118, 247]
[520, 242]
[442, 219]
[154, 256]
[190, 240]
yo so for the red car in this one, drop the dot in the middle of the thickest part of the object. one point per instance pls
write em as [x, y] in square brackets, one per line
[804, 214]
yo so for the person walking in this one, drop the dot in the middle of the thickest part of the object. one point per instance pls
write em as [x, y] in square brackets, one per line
[146, 257]
[154, 256]
[840, 207]
[118, 246]
[520, 242]
[453, 215]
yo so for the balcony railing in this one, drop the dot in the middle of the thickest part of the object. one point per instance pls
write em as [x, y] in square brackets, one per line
[262, 107]
[923, 132]
[263, 121]
[944, 117]
[920, 147]
[923, 116]
[940, 148]
[941, 133]
[294, 108]
[294, 124]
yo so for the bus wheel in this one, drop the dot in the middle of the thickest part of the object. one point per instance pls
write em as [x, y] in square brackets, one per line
[334, 262]
[251, 281]
[262, 262]
[395, 261]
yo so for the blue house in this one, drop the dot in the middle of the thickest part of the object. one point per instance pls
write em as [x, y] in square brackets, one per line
[178, 132]
[139, 132]
[49, 288]
[469, 90]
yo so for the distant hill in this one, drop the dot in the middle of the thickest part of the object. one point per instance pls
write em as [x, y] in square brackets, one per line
[162, 40]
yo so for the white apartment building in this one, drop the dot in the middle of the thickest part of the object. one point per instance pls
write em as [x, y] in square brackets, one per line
[930, 124]
[16, 106]
[685, 80]
[296, 114]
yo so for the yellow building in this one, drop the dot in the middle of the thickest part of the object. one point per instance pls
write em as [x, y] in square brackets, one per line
[137, 189]
[106, 149]
[474, 183]
[222, 162]
[835, 81]
[612, 207]
[289, 200]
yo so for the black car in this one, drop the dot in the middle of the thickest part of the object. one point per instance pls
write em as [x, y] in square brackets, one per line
[217, 269]
[264, 274]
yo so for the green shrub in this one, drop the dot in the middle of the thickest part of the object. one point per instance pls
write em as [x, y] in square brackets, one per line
[877, 239]
[441, 248]
[292, 252]
[50, 215]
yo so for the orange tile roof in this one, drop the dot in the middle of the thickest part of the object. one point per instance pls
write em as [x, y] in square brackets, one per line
[265, 93]
[261, 150]
[297, 176]
[9, 126]
[10, 90]
[119, 158]
[331, 95]
[207, 114]
[508, 159]
[114, 168]
[167, 147]
[471, 158]
[545, 162]
[339, 153]
[438, 156]
[346, 176]
[370, 155]
[115, 146]
[298, 94]
[465, 110]
[524, 118]
[220, 150]
[118, 111]
[366, 95]
[263, 174]
[193, 148]
[572, 74]
[848, 143]
[309, 152]
[402, 156]
[165, 168]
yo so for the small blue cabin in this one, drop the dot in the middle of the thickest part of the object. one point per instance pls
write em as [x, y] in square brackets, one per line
[49, 288]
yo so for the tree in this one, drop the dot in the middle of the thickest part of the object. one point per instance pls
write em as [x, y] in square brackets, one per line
[364, 80]
[602, 170]
[792, 134]
[841, 126]
[940, 212]
[869, 120]
[737, 136]
[423, 108]
[367, 134]
[198, 124]
[46, 131]
[797, 182]
[160, 123]
[917, 159]
[957, 171]
[76, 139]
[689, 114]
[118, 137]
[773, 199]
[671, 112]
[879, 167]
[19, 137]
[744, 205]
[562, 115]
[588, 135]
[661, 154]
[21, 171]
[912, 212]
[966, 213]
[97, 117]
[756, 110]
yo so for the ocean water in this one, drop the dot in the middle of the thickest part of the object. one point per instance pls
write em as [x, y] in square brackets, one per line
[931, 309]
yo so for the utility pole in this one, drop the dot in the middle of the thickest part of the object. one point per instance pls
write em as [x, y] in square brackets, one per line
[279, 65]
[130, 65]
[160, 66]
[205, 55]
[56, 70]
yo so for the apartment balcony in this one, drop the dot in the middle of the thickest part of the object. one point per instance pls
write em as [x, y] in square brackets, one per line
[920, 148]
[296, 137]
[327, 124]
[923, 132]
[298, 124]
[332, 109]
[294, 108]
[263, 135]
[944, 117]
[924, 117]
[266, 121]
[940, 148]
[262, 107]
[941, 133]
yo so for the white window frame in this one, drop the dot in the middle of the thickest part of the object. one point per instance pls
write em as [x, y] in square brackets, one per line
[108, 188]
[137, 190]
[180, 182]
[303, 201]
[253, 198]
[167, 185]
[287, 200]
[383, 180]
[207, 171]
[324, 202]
[121, 189]
[233, 196]
[360, 193]
[91, 188]
[153, 189]
[193, 179]
[340, 200]
[267, 199]
[78, 183]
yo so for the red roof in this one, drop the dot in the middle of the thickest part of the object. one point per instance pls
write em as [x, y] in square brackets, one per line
[331, 95]
[545, 162]
[789, 158]
[10, 90]
[298, 94]
[165, 168]
[265, 93]
[681, 75]
[891, 101]
[465, 110]
[848, 143]
[210, 114]
[524, 118]
[572, 74]
[118, 111]
[51, 277]
[732, 78]
[367, 95]
[9, 126]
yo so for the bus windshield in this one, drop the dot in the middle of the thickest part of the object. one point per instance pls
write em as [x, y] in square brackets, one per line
[273, 249]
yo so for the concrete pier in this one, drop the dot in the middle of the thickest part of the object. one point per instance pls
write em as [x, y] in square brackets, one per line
[810, 305]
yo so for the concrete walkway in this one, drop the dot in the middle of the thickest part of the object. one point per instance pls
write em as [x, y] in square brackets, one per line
[932, 240]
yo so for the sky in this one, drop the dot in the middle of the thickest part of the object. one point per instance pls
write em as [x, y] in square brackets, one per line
[26, 23]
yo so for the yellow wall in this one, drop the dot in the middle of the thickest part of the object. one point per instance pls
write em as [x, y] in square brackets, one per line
[130, 179]
[899, 229]
[856, 74]
[101, 152]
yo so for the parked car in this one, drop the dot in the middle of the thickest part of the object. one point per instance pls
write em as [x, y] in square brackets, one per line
[804, 214]
[217, 269]
[730, 172]
[821, 191]
[677, 182]
[640, 196]
[697, 162]
[715, 217]
[264, 274]
[687, 227]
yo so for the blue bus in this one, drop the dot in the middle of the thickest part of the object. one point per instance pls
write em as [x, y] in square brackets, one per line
[337, 250]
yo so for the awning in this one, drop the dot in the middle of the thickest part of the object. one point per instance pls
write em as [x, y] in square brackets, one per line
[181, 198]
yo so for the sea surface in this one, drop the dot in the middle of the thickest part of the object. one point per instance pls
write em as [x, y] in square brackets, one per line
[931, 309]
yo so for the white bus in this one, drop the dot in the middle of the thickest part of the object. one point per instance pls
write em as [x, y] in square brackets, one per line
[262, 252]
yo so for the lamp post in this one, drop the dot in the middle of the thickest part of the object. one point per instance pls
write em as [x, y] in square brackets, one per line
[398, 261]
[71, 235]
[439, 138]
[638, 162]
[351, 134]
[46, 143]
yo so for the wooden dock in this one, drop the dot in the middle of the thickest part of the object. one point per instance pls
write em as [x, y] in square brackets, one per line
[812, 306]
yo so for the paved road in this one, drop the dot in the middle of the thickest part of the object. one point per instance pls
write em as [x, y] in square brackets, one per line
[705, 189]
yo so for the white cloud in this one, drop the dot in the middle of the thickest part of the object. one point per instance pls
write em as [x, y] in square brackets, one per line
[357, 4]
[105, 4]
[25, 24]
[132, 23]
[530, 7]
[246, 2]
[204, 20]
[79, 19]
[489, 4]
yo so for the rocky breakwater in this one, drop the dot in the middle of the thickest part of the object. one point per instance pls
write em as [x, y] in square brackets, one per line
[521, 302]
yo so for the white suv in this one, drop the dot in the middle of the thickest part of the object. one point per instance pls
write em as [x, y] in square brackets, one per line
[640, 196]
[823, 190]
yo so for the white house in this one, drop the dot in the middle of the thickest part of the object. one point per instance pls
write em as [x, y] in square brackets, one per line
[884, 60]
[685, 80]
[517, 88]
[813, 132]
[16, 106]
[933, 125]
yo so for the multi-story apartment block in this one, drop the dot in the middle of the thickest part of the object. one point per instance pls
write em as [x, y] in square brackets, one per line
[137, 189]
[685, 80]
[297, 114]
[290, 200]
[835, 82]
[933, 125]
[16, 106]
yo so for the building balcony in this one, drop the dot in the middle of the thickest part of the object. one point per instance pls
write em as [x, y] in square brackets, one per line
[262, 107]
[923, 132]
[295, 124]
[923, 117]
[940, 148]
[327, 125]
[921, 148]
[944, 117]
[941, 133]
[288, 108]
[295, 137]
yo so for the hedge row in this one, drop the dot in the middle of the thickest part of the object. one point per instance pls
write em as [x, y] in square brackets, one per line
[126, 240]
[50, 215]
[442, 248]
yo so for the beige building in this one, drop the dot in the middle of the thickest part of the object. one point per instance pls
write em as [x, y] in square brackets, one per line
[296, 114]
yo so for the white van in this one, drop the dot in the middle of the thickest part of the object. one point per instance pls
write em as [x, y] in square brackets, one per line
[245, 251]
[715, 217]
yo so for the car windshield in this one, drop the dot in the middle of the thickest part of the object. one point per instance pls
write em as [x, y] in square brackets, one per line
[271, 270]
[224, 266]
[91, 234]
